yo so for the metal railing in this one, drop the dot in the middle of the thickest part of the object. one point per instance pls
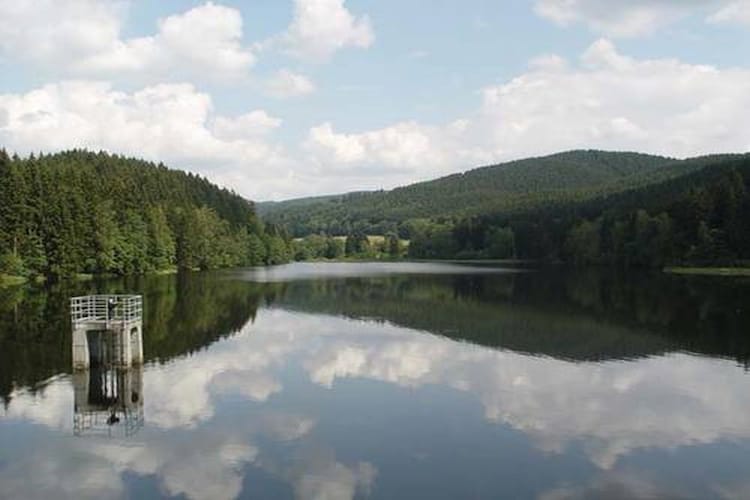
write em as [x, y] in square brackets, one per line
[91, 422]
[106, 308]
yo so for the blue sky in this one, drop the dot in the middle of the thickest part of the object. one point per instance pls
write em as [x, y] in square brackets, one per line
[277, 98]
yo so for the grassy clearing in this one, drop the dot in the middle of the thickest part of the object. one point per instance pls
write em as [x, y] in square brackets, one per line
[162, 272]
[8, 280]
[709, 271]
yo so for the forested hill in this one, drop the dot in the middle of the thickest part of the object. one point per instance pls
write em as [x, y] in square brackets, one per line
[699, 218]
[83, 212]
[582, 207]
[518, 184]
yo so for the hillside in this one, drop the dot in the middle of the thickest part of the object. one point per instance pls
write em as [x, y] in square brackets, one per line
[700, 217]
[518, 184]
[82, 212]
[266, 207]
[581, 207]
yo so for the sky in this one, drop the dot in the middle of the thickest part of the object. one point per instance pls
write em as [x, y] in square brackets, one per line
[286, 98]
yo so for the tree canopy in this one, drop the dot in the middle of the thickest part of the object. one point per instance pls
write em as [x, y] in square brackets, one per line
[84, 212]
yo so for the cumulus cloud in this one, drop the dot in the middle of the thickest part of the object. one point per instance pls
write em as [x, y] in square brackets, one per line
[634, 18]
[236, 366]
[612, 101]
[173, 123]
[286, 83]
[47, 30]
[405, 149]
[322, 27]
[542, 397]
[51, 406]
[606, 100]
[83, 37]
[402, 144]
[735, 12]
[325, 478]
[53, 477]
[255, 123]
[630, 406]
[212, 471]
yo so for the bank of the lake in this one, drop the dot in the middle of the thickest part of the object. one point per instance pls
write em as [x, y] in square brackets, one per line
[709, 271]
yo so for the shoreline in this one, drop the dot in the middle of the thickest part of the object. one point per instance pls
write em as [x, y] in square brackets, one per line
[709, 271]
[7, 281]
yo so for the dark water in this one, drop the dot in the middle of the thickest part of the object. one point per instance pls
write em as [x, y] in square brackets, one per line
[389, 381]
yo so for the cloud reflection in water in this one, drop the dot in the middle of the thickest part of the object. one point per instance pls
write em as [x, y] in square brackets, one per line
[240, 405]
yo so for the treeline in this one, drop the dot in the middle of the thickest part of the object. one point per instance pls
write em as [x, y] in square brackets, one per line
[83, 212]
[701, 218]
[356, 245]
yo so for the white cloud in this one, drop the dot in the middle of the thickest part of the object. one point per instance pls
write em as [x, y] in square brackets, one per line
[611, 101]
[83, 37]
[255, 386]
[330, 480]
[205, 473]
[408, 148]
[322, 27]
[46, 31]
[631, 18]
[286, 83]
[396, 146]
[607, 101]
[657, 403]
[173, 123]
[542, 397]
[255, 123]
[736, 12]
[235, 366]
[51, 406]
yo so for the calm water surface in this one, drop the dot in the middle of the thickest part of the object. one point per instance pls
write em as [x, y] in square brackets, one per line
[388, 381]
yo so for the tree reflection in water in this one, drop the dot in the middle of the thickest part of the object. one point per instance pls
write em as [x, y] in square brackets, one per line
[548, 385]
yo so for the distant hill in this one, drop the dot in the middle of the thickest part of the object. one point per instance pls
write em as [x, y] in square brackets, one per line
[580, 207]
[697, 214]
[266, 207]
[518, 184]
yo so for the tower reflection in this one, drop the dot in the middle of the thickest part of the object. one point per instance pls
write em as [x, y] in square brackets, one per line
[108, 401]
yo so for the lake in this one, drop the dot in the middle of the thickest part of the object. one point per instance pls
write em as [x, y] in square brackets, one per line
[404, 380]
